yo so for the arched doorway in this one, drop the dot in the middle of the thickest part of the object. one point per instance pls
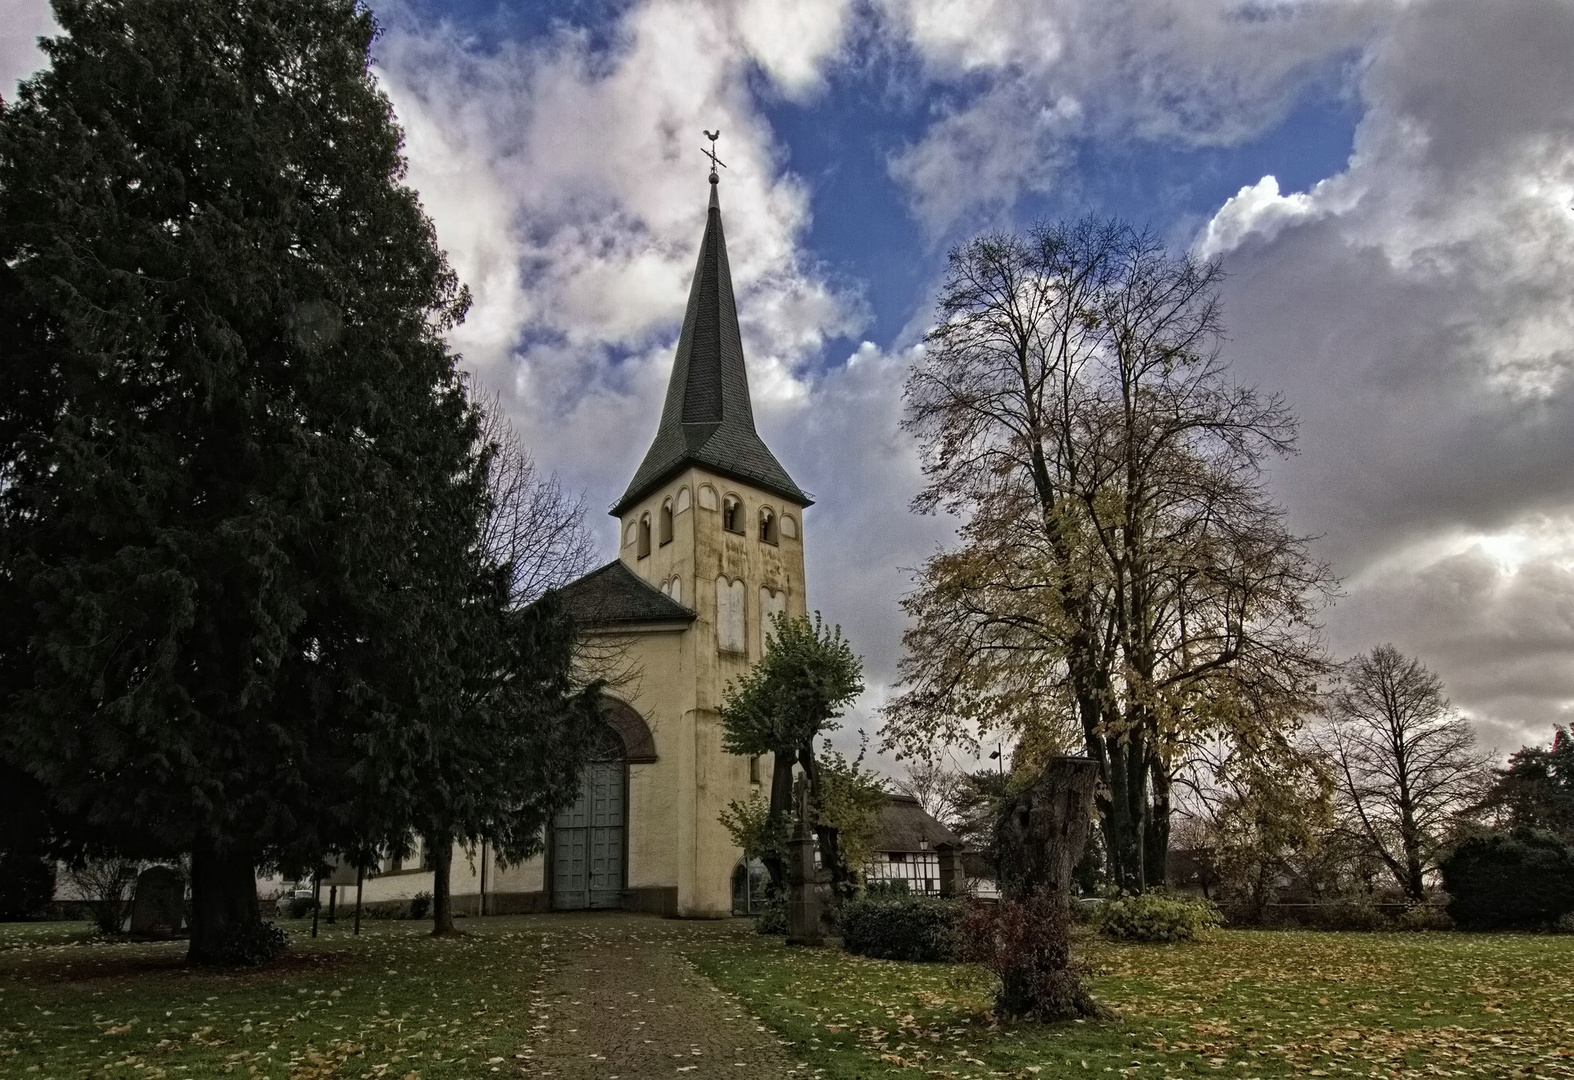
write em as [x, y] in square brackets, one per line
[589, 846]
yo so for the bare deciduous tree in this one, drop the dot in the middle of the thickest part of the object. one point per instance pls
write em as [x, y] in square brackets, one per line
[532, 525]
[107, 885]
[537, 531]
[1405, 761]
[1124, 581]
[936, 786]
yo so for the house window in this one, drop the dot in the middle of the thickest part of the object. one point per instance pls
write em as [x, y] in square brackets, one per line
[767, 525]
[754, 769]
[644, 536]
[919, 870]
[666, 522]
[732, 514]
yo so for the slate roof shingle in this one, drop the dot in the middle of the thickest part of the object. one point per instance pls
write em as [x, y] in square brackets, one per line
[707, 418]
[614, 595]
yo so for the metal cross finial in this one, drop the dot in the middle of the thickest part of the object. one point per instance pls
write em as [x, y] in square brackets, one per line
[711, 153]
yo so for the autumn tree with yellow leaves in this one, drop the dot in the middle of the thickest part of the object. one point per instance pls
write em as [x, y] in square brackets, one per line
[1124, 586]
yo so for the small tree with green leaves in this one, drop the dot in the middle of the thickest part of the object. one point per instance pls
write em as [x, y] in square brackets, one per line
[793, 695]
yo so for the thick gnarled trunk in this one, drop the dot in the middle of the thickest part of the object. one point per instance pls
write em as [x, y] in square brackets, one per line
[1041, 835]
[223, 897]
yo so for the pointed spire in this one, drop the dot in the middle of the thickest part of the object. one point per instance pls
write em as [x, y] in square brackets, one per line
[707, 418]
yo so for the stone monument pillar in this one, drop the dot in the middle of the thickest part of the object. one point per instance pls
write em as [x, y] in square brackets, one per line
[803, 908]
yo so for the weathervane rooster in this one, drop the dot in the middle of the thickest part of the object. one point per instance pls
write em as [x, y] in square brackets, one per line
[711, 153]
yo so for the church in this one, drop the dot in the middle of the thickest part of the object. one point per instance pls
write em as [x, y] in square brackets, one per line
[711, 535]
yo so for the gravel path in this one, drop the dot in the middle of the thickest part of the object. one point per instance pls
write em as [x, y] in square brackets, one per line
[616, 1001]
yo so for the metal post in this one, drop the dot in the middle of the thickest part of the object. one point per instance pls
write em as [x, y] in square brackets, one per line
[360, 878]
[333, 904]
[316, 900]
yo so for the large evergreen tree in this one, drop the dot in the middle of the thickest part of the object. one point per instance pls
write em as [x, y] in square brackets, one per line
[238, 480]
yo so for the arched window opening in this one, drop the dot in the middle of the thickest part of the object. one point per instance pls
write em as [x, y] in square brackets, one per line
[644, 536]
[767, 525]
[707, 497]
[683, 500]
[732, 514]
[789, 527]
[630, 534]
[749, 882]
[666, 522]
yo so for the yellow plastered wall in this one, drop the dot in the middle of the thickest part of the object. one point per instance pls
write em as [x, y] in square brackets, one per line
[675, 834]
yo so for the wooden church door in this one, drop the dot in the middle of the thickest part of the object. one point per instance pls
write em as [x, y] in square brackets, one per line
[587, 841]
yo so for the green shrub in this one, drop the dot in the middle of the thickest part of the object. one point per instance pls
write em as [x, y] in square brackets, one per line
[887, 887]
[250, 944]
[892, 926]
[1521, 880]
[1156, 916]
[1356, 912]
[420, 905]
[1424, 917]
[300, 906]
[772, 918]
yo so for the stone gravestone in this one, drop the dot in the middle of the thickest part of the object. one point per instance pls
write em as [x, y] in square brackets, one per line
[159, 906]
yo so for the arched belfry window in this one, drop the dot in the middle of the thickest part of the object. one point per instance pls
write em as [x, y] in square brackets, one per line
[644, 536]
[666, 522]
[767, 525]
[732, 513]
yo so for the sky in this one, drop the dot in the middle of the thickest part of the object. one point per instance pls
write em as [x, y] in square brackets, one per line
[1389, 183]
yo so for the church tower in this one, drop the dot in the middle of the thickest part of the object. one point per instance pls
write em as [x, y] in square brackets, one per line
[711, 537]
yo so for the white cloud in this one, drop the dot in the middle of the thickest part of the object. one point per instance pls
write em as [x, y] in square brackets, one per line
[568, 186]
[1257, 211]
[792, 41]
[22, 23]
[1416, 310]
[1189, 72]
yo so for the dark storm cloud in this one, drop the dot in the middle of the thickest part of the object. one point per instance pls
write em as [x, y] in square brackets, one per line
[1418, 312]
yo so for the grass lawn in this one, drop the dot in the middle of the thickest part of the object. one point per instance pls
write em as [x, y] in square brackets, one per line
[1242, 1004]
[390, 1004]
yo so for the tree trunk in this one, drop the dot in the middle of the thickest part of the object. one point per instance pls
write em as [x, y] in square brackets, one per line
[442, 855]
[1042, 834]
[831, 863]
[1125, 822]
[781, 808]
[1043, 831]
[223, 896]
[1156, 838]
